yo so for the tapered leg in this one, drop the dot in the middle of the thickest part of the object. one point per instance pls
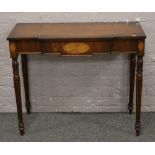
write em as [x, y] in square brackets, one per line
[139, 80]
[26, 84]
[132, 81]
[16, 79]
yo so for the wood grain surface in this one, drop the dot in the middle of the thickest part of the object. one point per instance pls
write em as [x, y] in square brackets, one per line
[76, 30]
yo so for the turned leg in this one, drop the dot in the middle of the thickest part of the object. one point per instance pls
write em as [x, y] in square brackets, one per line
[139, 79]
[26, 84]
[132, 81]
[16, 79]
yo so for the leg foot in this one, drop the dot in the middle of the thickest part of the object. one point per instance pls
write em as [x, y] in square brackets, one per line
[21, 129]
[28, 111]
[137, 128]
[130, 111]
[137, 132]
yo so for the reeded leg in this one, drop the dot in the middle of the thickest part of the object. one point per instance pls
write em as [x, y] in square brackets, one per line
[132, 81]
[26, 84]
[139, 79]
[16, 79]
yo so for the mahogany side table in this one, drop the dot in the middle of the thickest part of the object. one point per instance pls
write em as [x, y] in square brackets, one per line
[74, 39]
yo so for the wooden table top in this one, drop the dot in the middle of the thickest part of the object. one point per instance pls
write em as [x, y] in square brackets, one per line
[76, 30]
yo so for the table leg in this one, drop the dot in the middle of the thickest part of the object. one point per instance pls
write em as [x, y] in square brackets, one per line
[139, 79]
[132, 81]
[26, 84]
[17, 88]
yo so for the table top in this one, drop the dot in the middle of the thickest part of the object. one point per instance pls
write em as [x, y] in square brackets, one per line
[77, 30]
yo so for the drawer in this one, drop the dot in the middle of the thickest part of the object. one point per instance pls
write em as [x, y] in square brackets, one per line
[75, 48]
[28, 46]
[122, 45]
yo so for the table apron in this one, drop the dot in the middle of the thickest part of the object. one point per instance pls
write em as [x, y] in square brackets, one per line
[76, 47]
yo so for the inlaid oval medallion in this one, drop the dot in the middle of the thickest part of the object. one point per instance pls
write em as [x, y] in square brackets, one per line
[76, 48]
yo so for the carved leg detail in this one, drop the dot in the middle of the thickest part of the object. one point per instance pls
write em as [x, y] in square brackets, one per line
[26, 84]
[132, 81]
[16, 79]
[139, 78]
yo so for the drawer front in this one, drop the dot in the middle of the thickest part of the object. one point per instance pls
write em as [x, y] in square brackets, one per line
[124, 46]
[28, 46]
[75, 48]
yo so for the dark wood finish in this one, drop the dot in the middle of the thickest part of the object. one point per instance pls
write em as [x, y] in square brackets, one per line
[77, 39]
[17, 88]
[132, 81]
[96, 47]
[26, 84]
[61, 31]
[139, 80]
[28, 46]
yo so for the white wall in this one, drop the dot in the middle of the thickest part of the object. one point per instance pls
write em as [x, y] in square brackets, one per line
[77, 84]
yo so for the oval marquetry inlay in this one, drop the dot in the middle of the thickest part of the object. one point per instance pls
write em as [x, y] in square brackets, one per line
[76, 48]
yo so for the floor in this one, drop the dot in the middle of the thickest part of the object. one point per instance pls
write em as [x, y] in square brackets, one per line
[77, 127]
